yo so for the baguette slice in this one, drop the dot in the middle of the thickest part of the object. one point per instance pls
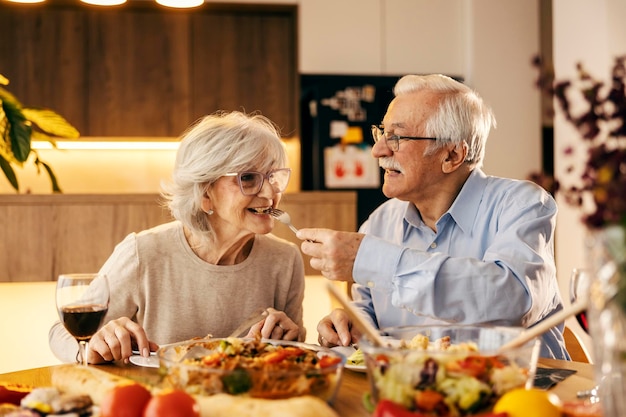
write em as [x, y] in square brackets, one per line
[85, 380]
[220, 405]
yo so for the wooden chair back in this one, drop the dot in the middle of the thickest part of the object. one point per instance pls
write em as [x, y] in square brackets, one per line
[576, 349]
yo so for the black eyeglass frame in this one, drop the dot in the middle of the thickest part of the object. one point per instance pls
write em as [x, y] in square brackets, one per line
[379, 131]
[266, 177]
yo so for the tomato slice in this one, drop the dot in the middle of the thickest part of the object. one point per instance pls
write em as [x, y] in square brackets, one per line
[428, 399]
[13, 393]
[327, 361]
[387, 408]
[281, 354]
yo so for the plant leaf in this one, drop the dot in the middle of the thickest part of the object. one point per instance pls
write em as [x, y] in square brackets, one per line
[51, 122]
[9, 173]
[3, 80]
[53, 178]
[19, 131]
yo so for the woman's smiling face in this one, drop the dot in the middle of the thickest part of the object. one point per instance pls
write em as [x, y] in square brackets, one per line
[234, 212]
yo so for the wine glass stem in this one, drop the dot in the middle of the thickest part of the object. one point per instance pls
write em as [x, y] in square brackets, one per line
[84, 351]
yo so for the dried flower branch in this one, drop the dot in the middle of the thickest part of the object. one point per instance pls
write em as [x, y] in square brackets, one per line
[600, 190]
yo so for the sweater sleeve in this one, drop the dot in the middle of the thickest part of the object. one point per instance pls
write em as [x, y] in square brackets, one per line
[294, 307]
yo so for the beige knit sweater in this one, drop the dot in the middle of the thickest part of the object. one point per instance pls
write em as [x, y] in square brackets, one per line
[158, 281]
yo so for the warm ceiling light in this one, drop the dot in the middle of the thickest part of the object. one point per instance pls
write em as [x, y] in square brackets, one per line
[180, 3]
[26, 1]
[104, 2]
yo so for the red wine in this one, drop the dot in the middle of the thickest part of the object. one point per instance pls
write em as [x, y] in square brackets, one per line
[83, 321]
[582, 320]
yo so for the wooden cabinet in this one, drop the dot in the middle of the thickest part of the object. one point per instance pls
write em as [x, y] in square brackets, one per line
[145, 71]
[46, 235]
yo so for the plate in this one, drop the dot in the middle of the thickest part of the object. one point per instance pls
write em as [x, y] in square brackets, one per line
[347, 351]
[150, 362]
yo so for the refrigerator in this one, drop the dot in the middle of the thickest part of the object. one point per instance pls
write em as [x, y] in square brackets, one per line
[337, 112]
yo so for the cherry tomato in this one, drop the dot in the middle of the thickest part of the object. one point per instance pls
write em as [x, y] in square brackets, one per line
[125, 400]
[172, 403]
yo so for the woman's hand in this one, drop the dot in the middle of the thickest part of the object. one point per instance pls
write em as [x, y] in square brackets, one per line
[115, 340]
[277, 325]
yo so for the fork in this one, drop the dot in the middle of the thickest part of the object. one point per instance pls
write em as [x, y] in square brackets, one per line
[283, 217]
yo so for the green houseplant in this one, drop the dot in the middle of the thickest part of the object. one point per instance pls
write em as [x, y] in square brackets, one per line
[19, 125]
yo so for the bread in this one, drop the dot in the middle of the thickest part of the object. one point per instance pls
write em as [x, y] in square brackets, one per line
[79, 380]
[220, 405]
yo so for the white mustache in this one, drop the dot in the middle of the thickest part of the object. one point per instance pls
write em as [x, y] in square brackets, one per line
[389, 163]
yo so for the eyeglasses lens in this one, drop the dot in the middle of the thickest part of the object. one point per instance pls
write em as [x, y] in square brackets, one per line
[378, 134]
[252, 182]
[279, 179]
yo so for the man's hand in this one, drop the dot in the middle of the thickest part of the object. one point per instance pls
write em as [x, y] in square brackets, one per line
[336, 330]
[332, 252]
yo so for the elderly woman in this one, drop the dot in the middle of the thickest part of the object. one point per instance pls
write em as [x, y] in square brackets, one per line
[216, 263]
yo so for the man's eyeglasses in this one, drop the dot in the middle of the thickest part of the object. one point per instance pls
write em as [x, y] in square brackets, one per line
[251, 182]
[392, 141]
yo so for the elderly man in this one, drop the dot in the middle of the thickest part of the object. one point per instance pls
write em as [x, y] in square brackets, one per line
[452, 245]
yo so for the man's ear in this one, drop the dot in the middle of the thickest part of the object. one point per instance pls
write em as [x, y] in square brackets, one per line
[454, 157]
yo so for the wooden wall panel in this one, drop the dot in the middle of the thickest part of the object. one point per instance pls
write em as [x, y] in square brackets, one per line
[139, 67]
[42, 54]
[252, 65]
[144, 71]
[43, 236]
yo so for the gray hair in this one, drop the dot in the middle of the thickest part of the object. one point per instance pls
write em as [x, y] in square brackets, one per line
[215, 145]
[462, 116]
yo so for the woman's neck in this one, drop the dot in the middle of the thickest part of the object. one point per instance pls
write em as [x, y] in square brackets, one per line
[220, 250]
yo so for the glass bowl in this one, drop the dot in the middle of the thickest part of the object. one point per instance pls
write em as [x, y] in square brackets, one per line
[251, 367]
[448, 370]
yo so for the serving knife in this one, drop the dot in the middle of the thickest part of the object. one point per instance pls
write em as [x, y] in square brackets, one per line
[252, 319]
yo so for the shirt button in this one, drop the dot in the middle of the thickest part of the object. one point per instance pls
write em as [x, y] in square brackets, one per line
[370, 284]
[433, 245]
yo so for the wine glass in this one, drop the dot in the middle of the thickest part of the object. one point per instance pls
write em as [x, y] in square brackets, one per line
[82, 302]
[579, 287]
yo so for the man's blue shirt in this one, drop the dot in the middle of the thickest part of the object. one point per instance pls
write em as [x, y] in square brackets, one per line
[491, 261]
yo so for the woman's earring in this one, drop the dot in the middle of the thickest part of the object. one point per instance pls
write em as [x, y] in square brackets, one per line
[209, 212]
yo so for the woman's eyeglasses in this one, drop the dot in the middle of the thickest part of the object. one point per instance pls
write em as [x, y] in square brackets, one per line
[392, 141]
[251, 182]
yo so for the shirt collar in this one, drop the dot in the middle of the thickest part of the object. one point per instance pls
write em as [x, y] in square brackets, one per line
[464, 209]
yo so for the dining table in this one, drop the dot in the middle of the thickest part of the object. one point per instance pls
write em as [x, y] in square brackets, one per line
[349, 401]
